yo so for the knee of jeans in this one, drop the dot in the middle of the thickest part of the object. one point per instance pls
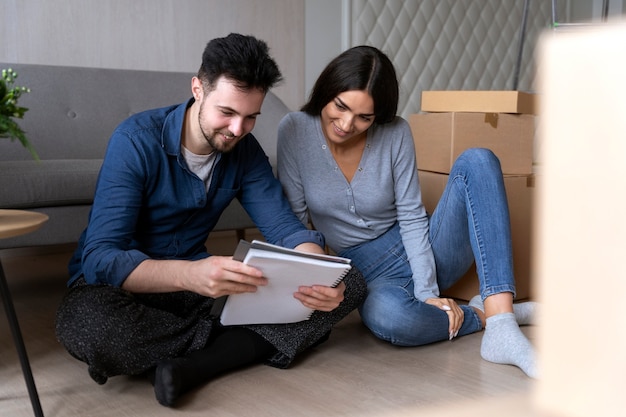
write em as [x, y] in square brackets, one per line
[400, 322]
[479, 157]
[402, 332]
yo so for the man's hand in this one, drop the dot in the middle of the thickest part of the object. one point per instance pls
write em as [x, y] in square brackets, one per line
[221, 275]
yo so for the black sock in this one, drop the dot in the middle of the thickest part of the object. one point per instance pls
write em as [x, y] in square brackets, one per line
[231, 349]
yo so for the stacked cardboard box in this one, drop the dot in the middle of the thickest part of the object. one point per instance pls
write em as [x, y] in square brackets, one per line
[503, 121]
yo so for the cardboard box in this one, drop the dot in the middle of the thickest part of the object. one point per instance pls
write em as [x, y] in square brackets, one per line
[519, 190]
[479, 102]
[441, 137]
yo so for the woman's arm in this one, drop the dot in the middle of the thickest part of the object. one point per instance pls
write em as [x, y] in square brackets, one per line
[287, 167]
[412, 216]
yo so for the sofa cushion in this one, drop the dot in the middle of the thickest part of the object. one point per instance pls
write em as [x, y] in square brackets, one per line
[72, 111]
[48, 183]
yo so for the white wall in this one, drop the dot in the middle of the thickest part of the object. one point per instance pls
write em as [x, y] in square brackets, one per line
[170, 34]
[324, 36]
[150, 34]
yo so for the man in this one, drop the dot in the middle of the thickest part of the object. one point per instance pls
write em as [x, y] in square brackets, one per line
[142, 283]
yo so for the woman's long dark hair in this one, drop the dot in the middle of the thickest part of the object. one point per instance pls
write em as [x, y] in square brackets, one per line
[362, 68]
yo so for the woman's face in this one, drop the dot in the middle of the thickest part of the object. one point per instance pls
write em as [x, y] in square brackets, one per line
[347, 116]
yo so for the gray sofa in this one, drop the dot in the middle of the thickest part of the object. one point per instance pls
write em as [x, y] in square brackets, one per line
[72, 112]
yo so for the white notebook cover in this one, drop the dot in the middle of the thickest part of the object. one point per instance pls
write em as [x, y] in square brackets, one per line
[285, 270]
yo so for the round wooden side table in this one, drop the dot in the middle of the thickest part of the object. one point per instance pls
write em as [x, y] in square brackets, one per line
[15, 223]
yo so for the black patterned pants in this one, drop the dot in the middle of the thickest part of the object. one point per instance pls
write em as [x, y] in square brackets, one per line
[121, 333]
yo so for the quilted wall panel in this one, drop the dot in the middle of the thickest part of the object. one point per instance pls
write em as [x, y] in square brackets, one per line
[451, 44]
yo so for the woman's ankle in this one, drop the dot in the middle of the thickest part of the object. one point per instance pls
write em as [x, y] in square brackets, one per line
[498, 304]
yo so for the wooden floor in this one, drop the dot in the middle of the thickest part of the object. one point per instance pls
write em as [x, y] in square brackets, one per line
[353, 374]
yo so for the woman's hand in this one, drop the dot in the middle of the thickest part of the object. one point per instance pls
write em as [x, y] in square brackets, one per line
[455, 314]
[320, 297]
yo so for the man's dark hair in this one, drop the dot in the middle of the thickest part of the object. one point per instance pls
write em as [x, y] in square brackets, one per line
[242, 59]
[361, 68]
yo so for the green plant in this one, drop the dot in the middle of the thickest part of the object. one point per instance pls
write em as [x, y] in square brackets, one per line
[9, 110]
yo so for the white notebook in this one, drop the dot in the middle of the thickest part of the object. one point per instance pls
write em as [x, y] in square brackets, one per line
[285, 270]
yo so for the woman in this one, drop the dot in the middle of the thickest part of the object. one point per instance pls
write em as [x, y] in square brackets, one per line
[347, 161]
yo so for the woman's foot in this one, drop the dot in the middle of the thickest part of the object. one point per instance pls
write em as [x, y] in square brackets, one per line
[504, 343]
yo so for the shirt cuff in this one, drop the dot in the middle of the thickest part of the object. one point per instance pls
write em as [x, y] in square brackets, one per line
[303, 236]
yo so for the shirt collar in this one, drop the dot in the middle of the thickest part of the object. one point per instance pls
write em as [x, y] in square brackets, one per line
[171, 135]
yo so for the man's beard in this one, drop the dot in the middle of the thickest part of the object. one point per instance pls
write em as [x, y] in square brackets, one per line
[214, 141]
[213, 138]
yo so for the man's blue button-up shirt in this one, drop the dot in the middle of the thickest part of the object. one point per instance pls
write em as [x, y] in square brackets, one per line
[149, 205]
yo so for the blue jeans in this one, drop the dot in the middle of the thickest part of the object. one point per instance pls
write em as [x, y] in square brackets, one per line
[470, 223]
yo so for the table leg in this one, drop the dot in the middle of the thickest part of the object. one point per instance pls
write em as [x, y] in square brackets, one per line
[19, 344]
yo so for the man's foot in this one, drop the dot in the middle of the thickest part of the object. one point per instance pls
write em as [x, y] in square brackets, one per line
[97, 376]
[168, 382]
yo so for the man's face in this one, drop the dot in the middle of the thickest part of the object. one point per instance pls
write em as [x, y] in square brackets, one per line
[226, 114]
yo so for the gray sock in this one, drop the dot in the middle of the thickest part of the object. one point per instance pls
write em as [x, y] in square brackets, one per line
[525, 313]
[504, 343]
